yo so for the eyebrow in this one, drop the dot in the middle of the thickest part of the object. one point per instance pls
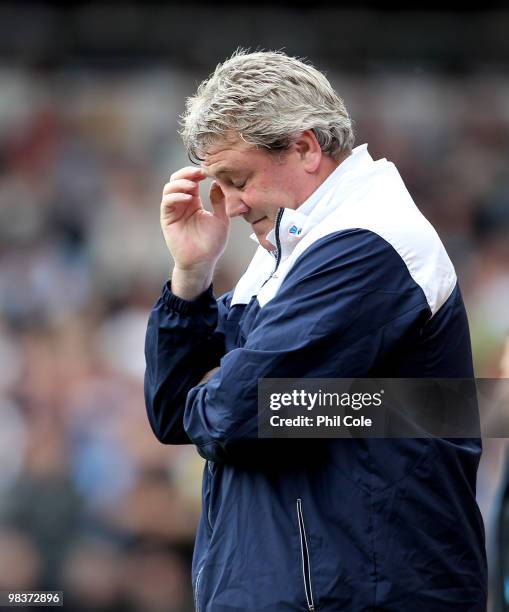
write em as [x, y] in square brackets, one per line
[226, 171]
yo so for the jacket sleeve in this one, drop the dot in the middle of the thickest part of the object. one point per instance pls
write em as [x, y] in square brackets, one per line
[347, 304]
[184, 340]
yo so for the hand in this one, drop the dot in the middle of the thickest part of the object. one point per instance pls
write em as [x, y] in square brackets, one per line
[209, 375]
[195, 237]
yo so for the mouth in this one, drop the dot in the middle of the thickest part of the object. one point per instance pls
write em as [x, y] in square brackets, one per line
[258, 220]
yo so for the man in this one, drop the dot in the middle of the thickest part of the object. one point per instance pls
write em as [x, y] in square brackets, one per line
[349, 281]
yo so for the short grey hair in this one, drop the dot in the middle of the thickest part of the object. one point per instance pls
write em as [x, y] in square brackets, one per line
[266, 98]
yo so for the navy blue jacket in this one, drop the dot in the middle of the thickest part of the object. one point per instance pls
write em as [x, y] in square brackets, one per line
[360, 286]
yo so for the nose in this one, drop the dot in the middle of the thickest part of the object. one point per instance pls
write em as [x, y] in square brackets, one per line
[231, 197]
[235, 206]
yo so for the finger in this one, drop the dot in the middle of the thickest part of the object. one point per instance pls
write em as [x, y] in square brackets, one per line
[177, 185]
[174, 205]
[189, 172]
[218, 201]
[175, 198]
[209, 375]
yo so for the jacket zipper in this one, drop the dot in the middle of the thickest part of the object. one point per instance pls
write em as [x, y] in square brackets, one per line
[196, 590]
[211, 475]
[278, 239]
[306, 567]
[278, 244]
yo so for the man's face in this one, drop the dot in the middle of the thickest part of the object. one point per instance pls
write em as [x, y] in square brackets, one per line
[256, 183]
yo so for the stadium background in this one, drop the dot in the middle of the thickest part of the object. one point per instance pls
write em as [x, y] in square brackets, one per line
[90, 93]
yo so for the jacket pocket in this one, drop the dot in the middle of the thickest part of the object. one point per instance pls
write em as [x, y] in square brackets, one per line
[306, 565]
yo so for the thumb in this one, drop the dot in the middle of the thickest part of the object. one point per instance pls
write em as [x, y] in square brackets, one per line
[218, 201]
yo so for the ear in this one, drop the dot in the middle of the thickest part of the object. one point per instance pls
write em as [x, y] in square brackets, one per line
[309, 151]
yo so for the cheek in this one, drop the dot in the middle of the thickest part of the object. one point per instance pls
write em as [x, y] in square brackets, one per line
[254, 197]
[266, 197]
[266, 204]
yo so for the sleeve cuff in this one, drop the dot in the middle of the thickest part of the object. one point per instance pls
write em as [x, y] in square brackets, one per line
[186, 307]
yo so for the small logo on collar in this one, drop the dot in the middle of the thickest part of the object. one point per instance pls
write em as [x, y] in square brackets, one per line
[295, 230]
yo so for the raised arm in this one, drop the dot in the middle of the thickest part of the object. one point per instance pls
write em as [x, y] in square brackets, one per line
[184, 339]
[195, 237]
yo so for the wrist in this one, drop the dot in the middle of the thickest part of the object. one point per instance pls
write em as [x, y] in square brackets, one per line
[189, 283]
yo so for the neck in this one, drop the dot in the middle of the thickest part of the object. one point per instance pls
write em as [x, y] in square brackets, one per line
[326, 168]
[328, 165]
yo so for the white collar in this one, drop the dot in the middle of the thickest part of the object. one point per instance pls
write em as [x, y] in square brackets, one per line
[296, 223]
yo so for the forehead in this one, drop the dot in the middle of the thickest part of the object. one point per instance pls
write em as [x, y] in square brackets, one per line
[228, 157]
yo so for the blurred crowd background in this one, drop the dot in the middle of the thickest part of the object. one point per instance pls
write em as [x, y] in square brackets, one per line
[90, 502]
